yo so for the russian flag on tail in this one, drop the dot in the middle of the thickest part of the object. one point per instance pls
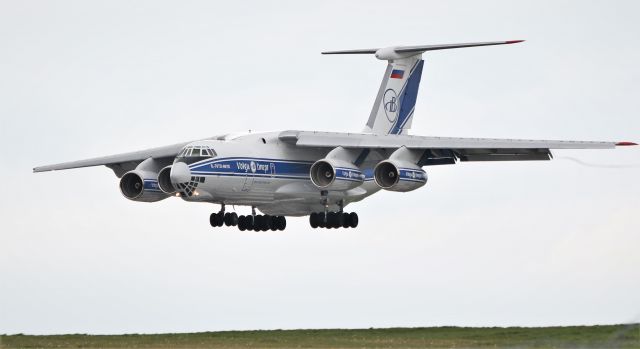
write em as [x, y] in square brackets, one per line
[397, 74]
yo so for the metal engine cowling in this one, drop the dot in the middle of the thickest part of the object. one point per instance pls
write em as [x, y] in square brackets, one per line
[334, 174]
[399, 176]
[141, 184]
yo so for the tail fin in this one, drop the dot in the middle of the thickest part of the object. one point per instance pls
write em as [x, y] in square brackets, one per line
[393, 108]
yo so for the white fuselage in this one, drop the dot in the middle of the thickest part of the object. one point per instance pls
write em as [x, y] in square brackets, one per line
[259, 170]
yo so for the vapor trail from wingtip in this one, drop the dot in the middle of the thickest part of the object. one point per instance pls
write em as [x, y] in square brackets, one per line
[578, 161]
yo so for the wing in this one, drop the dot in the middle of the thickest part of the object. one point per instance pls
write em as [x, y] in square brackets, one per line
[444, 150]
[120, 163]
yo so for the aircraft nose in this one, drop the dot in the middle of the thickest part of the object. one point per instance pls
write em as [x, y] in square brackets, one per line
[180, 173]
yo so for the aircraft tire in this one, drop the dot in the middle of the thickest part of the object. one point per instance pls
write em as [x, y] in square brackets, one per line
[353, 219]
[313, 220]
[339, 220]
[332, 220]
[268, 222]
[249, 222]
[258, 222]
[322, 220]
[213, 220]
[283, 223]
[216, 219]
[234, 219]
[346, 220]
[227, 219]
[241, 223]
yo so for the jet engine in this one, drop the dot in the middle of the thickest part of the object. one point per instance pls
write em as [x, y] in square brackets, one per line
[164, 181]
[335, 174]
[401, 176]
[141, 184]
[401, 171]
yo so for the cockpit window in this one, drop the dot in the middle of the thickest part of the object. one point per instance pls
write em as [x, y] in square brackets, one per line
[193, 153]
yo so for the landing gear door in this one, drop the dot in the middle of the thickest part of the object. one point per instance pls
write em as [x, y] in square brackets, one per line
[248, 181]
[250, 169]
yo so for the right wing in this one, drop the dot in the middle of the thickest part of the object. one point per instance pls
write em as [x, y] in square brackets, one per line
[444, 150]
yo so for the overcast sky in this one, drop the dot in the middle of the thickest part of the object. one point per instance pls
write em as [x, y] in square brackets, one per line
[482, 244]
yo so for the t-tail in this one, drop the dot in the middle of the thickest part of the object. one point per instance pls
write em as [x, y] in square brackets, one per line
[395, 103]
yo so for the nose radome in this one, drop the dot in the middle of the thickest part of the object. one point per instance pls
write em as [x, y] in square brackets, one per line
[180, 173]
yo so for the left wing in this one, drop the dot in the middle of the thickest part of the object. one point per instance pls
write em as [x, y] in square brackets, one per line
[444, 150]
[120, 163]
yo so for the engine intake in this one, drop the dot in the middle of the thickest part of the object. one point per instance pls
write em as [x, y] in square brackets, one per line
[141, 186]
[164, 181]
[399, 176]
[333, 174]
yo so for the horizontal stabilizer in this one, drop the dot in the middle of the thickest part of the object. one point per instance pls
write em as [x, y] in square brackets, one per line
[419, 48]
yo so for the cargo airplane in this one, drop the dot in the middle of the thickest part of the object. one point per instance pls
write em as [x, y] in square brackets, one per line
[300, 173]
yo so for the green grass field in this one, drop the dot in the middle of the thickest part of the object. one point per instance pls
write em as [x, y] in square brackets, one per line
[613, 336]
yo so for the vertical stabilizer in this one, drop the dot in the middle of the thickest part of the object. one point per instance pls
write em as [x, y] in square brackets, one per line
[393, 108]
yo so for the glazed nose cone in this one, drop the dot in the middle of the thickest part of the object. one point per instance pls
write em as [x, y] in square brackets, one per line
[180, 173]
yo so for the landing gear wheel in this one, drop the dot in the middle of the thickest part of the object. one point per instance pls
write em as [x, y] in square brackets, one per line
[249, 222]
[258, 222]
[216, 219]
[275, 223]
[332, 220]
[353, 219]
[278, 223]
[234, 219]
[267, 222]
[241, 223]
[313, 220]
[282, 223]
[213, 220]
[322, 220]
[346, 220]
[227, 219]
[339, 220]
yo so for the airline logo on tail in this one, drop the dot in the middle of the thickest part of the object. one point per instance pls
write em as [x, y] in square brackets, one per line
[391, 105]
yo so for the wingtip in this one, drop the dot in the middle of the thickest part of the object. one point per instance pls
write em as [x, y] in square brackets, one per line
[514, 41]
[625, 144]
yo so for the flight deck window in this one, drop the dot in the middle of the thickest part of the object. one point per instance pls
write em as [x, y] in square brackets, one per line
[195, 153]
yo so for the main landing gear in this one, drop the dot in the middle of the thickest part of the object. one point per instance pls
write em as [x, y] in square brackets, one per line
[333, 220]
[330, 220]
[262, 223]
[250, 222]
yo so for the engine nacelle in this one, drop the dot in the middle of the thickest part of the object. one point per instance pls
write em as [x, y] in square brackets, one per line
[399, 176]
[334, 174]
[139, 185]
[164, 181]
